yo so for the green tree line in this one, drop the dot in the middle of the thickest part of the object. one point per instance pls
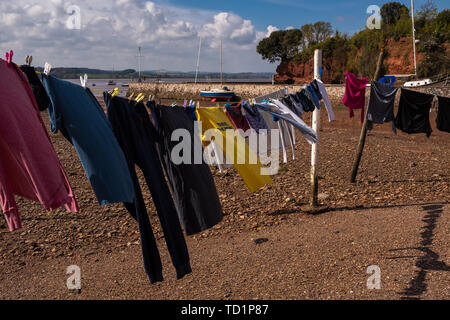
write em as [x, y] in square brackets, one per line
[358, 53]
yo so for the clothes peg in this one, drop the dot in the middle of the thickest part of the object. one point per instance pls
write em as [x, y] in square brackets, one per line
[47, 68]
[115, 92]
[139, 98]
[130, 97]
[83, 80]
[9, 55]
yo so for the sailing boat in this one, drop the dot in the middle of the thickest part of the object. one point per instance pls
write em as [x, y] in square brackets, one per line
[218, 94]
[112, 82]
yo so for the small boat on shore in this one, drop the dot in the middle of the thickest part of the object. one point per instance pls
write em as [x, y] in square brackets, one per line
[218, 94]
[418, 83]
[125, 85]
[111, 83]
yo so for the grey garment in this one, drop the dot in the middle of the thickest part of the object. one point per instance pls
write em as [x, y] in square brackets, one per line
[254, 118]
[271, 124]
[381, 105]
[297, 105]
[290, 117]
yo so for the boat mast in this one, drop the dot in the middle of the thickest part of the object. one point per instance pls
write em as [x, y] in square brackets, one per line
[221, 69]
[414, 38]
[198, 60]
[139, 56]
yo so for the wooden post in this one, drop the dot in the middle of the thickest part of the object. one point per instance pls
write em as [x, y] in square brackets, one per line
[316, 127]
[362, 138]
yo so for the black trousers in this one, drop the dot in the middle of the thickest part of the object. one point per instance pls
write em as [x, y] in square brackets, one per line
[192, 185]
[135, 132]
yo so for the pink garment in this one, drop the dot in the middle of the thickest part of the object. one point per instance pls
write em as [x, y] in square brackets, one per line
[29, 166]
[355, 94]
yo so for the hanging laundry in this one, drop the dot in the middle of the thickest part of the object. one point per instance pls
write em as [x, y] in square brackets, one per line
[306, 101]
[76, 113]
[414, 112]
[355, 94]
[298, 108]
[316, 88]
[215, 118]
[192, 184]
[275, 123]
[326, 99]
[277, 109]
[443, 116]
[314, 96]
[309, 96]
[41, 96]
[381, 104]
[254, 118]
[29, 166]
[136, 135]
[236, 117]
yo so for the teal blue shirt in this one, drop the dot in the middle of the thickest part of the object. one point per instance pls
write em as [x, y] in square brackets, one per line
[76, 113]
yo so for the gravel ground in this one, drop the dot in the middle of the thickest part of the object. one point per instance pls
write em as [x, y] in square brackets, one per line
[396, 217]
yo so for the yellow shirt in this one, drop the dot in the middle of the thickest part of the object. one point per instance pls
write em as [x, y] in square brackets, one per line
[215, 118]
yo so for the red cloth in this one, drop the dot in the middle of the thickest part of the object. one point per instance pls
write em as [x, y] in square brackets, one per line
[234, 114]
[29, 166]
[355, 94]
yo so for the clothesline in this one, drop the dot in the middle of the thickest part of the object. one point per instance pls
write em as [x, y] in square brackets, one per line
[414, 107]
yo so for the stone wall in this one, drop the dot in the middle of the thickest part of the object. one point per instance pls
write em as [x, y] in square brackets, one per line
[180, 91]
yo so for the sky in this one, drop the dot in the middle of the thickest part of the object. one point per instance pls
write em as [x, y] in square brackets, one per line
[167, 30]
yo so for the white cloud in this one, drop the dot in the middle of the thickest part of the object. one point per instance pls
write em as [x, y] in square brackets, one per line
[112, 30]
[231, 28]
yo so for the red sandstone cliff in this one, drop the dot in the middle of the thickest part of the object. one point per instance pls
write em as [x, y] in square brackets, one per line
[399, 60]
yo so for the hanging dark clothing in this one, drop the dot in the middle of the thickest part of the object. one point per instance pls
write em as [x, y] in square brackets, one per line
[192, 184]
[306, 101]
[316, 88]
[314, 96]
[414, 112]
[254, 118]
[381, 104]
[443, 116]
[298, 108]
[39, 92]
[135, 132]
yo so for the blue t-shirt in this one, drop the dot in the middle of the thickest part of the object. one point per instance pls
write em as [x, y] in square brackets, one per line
[77, 114]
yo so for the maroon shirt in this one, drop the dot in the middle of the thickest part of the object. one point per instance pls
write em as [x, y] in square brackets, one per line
[234, 114]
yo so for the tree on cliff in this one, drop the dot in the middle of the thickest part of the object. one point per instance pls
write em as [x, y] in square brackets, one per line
[315, 33]
[280, 45]
[428, 11]
[432, 35]
[392, 12]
